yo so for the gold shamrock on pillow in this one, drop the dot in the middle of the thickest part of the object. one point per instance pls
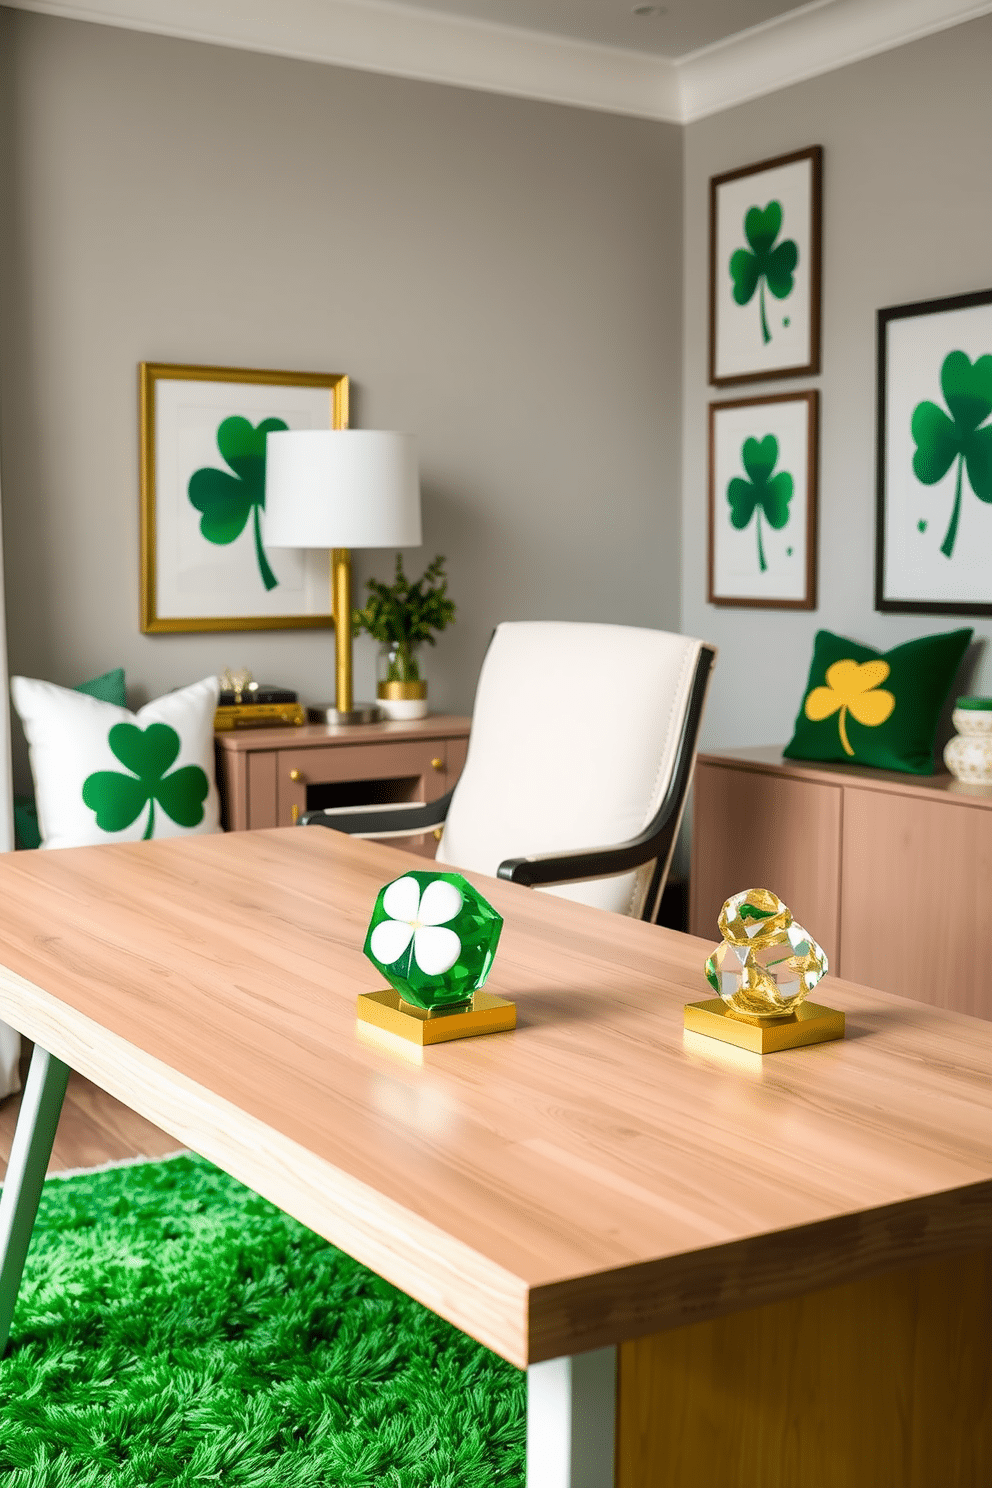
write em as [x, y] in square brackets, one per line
[856, 688]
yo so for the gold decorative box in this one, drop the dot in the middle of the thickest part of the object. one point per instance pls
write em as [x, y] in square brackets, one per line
[258, 715]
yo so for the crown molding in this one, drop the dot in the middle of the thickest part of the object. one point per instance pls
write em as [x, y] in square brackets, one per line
[375, 36]
[817, 39]
[401, 41]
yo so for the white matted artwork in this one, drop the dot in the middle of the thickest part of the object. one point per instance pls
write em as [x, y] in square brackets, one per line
[204, 562]
[933, 544]
[762, 499]
[765, 228]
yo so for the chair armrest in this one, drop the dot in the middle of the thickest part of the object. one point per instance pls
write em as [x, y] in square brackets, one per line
[584, 862]
[392, 820]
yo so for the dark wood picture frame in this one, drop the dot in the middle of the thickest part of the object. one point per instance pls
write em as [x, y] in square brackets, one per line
[808, 601]
[811, 366]
[885, 317]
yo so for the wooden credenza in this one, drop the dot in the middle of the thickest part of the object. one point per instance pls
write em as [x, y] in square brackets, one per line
[269, 777]
[891, 873]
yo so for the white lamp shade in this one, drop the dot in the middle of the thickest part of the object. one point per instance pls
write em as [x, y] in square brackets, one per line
[341, 488]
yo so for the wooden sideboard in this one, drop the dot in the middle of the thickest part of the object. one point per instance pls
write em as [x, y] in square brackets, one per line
[891, 873]
[268, 777]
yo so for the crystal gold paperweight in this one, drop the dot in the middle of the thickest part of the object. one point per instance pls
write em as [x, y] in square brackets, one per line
[433, 937]
[764, 970]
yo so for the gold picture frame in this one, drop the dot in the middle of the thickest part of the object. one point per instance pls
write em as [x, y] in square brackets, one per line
[181, 565]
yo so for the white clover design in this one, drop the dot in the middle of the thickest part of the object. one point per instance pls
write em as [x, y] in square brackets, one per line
[420, 918]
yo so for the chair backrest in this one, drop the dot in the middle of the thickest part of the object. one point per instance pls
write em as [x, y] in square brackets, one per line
[575, 734]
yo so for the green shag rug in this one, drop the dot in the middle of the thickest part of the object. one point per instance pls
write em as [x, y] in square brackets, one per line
[175, 1329]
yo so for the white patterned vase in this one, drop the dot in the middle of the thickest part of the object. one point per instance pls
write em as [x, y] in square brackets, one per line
[968, 755]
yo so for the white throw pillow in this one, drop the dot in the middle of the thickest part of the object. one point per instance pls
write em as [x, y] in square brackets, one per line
[104, 774]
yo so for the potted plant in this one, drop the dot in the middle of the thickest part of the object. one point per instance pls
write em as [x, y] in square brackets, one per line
[401, 616]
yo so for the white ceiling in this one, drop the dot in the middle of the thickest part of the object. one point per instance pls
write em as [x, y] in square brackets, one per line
[692, 61]
[685, 25]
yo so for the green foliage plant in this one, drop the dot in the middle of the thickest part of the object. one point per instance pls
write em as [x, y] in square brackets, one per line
[764, 492]
[405, 613]
[227, 501]
[941, 440]
[763, 262]
[119, 800]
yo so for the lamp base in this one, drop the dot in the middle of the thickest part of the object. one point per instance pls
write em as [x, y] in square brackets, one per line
[810, 1024]
[359, 713]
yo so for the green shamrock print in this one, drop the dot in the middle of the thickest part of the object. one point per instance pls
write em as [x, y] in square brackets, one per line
[941, 440]
[764, 492]
[119, 800]
[227, 500]
[764, 264]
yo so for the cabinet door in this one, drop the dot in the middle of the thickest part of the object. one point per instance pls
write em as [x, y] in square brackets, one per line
[752, 830]
[917, 884]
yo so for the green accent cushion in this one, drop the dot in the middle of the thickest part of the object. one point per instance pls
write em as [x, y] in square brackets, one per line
[879, 708]
[108, 688]
[27, 833]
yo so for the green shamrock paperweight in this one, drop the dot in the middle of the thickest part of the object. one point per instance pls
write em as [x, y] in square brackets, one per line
[433, 937]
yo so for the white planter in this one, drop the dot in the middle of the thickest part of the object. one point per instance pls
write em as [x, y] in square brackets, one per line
[401, 710]
[968, 755]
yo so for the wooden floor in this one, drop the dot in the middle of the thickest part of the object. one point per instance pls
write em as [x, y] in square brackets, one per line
[94, 1128]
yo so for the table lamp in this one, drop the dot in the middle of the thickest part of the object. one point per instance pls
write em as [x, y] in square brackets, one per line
[341, 489]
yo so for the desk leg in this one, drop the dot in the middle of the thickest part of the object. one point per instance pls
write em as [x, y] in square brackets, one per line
[571, 1421]
[41, 1105]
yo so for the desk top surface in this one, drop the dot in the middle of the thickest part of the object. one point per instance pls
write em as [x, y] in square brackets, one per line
[595, 1175]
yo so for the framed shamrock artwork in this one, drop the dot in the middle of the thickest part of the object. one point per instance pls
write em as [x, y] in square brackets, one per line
[763, 482]
[934, 454]
[204, 563]
[765, 225]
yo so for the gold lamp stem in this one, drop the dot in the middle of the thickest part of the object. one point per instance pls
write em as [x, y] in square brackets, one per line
[341, 604]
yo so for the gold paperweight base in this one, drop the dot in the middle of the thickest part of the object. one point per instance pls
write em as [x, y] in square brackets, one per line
[812, 1023]
[387, 1010]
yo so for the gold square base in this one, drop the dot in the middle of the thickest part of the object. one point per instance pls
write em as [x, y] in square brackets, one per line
[387, 1010]
[811, 1024]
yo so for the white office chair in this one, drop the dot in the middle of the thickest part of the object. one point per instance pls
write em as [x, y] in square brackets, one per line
[579, 762]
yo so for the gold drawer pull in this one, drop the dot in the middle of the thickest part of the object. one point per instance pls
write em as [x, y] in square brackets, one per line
[296, 775]
[295, 812]
[438, 833]
[437, 763]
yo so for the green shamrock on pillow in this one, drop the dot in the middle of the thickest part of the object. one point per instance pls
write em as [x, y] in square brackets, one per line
[763, 264]
[227, 501]
[119, 800]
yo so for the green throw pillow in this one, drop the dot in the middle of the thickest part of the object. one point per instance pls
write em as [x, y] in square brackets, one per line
[879, 708]
[107, 688]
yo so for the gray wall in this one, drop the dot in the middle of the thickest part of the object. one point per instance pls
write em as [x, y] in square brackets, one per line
[501, 277]
[907, 216]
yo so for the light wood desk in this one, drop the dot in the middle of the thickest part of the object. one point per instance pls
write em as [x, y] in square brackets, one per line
[787, 1263]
